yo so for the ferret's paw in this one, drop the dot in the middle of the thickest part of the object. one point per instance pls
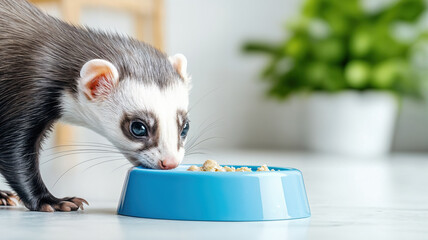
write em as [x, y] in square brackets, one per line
[64, 205]
[8, 198]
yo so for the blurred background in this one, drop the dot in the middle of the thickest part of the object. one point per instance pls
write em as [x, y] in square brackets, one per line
[344, 78]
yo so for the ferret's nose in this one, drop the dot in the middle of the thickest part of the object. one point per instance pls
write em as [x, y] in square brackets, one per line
[168, 163]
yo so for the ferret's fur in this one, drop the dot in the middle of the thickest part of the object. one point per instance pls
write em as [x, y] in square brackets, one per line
[50, 70]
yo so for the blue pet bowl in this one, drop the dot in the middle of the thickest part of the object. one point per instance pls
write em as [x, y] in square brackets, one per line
[214, 196]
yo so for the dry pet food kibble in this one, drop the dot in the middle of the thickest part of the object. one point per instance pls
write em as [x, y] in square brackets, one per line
[194, 168]
[264, 168]
[229, 169]
[243, 169]
[213, 166]
[210, 166]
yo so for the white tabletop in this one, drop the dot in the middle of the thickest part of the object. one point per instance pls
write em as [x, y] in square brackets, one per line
[349, 198]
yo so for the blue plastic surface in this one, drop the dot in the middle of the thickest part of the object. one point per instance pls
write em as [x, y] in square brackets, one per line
[214, 196]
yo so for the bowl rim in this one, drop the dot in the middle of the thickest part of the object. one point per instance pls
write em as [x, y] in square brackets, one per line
[278, 171]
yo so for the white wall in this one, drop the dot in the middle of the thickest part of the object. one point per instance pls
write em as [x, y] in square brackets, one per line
[211, 34]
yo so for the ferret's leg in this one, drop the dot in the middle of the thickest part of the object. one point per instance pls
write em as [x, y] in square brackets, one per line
[8, 198]
[23, 174]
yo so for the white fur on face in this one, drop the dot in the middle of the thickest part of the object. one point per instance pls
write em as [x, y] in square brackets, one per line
[131, 96]
[164, 104]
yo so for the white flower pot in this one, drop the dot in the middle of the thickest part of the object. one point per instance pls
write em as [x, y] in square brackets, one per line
[350, 123]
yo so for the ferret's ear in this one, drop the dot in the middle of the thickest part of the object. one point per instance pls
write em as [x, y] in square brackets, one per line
[98, 78]
[179, 62]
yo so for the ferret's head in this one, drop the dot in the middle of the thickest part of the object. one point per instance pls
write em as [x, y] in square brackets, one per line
[146, 120]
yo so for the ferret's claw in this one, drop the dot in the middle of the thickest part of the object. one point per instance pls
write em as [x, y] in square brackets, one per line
[79, 202]
[46, 208]
[64, 205]
[8, 198]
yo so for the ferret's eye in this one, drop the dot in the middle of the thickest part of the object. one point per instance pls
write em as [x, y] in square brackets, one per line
[185, 130]
[138, 129]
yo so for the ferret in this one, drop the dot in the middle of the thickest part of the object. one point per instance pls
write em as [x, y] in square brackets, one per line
[124, 89]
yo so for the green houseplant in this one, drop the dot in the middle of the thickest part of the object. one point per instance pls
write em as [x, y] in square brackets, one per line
[365, 57]
[337, 45]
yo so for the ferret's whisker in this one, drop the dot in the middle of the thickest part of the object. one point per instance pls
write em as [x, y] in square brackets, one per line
[74, 166]
[74, 153]
[78, 151]
[203, 98]
[194, 150]
[77, 146]
[98, 149]
[96, 143]
[215, 121]
[84, 150]
[195, 153]
[121, 166]
[89, 150]
[106, 161]
[204, 122]
[100, 146]
[204, 140]
[195, 139]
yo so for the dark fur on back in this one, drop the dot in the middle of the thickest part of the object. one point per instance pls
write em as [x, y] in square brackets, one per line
[40, 58]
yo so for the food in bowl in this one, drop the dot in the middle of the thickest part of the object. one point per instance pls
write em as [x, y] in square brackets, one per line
[213, 166]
